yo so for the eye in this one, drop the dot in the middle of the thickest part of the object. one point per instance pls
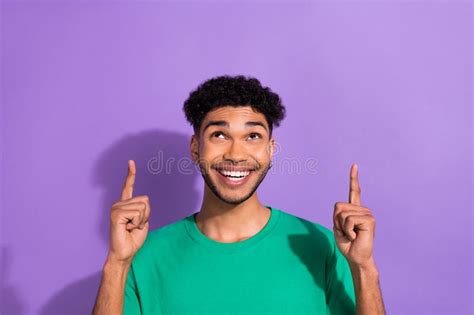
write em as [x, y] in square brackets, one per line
[217, 133]
[255, 136]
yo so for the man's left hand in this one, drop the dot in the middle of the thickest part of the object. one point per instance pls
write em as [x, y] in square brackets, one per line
[354, 226]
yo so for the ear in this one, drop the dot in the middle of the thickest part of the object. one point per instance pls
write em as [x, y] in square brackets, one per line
[271, 147]
[194, 148]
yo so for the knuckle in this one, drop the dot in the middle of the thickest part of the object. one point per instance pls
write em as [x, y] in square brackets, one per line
[143, 198]
[356, 188]
[116, 204]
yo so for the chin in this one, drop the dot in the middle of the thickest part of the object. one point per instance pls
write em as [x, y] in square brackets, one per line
[234, 200]
[231, 191]
[231, 196]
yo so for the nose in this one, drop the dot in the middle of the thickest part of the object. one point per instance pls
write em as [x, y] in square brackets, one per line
[235, 153]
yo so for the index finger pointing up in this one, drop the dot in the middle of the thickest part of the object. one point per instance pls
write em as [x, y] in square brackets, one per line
[127, 189]
[354, 189]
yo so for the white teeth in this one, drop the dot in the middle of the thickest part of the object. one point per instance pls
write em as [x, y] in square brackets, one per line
[234, 174]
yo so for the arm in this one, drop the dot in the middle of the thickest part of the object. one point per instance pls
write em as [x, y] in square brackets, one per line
[128, 230]
[354, 231]
[367, 290]
[111, 292]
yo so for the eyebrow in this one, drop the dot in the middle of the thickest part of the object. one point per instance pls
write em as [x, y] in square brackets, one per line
[224, 123]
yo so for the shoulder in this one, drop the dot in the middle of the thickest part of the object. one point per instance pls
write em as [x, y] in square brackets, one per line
[167, 231]
[295, 222]
[162, 239]
[306, 230]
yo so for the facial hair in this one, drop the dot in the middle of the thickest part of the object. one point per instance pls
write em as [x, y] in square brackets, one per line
[213, 187]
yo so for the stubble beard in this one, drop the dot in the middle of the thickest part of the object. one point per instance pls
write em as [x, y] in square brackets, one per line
[261, 172]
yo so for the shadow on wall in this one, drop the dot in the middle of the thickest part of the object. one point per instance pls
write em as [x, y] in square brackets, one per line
[11, 302]
[165, 173]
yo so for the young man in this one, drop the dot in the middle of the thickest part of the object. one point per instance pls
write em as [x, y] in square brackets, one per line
[237, 255]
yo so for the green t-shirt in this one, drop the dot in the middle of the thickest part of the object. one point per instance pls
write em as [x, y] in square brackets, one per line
[291, 266]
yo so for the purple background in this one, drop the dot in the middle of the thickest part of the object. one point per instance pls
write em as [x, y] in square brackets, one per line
[88, 85]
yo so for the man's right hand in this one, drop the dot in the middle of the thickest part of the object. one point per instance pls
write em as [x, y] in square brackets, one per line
[128, 222]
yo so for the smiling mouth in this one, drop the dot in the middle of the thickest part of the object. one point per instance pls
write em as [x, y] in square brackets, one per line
[235, 176]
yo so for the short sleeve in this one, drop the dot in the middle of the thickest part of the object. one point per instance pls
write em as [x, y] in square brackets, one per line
[340, 294]
[131, 303]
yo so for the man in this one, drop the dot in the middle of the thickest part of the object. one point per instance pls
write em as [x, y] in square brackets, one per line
[237, 255]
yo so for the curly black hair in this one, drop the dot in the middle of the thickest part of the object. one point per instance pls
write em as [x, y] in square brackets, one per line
[235, 91]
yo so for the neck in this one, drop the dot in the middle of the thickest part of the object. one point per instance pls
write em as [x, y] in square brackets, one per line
[224, 222]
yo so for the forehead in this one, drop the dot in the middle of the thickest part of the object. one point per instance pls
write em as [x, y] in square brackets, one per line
[235, 115]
